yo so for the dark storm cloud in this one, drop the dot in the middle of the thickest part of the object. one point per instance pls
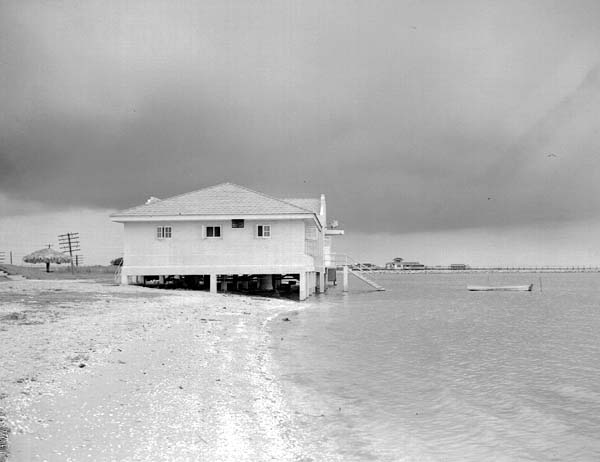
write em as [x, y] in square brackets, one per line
[408, 115]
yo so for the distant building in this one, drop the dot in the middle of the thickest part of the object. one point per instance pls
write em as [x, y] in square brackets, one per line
[399, 264]
[458, 266]
[396, 263]
[412, 265]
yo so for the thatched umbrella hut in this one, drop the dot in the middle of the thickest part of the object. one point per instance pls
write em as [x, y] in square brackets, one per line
[47, 256]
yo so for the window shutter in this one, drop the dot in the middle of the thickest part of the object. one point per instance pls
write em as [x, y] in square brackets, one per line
[203, 232]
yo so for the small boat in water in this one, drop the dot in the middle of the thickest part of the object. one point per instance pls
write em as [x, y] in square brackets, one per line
[525, 288]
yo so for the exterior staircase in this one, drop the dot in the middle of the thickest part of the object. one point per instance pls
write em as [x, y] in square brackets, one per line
[357, 269]
[360, 275]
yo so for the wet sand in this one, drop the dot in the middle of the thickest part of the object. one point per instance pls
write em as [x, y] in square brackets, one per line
[94, 371]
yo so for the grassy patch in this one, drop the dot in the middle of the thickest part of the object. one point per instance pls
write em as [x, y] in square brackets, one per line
[97, 272]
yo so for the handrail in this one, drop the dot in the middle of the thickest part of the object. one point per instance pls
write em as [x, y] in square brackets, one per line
[347, 260]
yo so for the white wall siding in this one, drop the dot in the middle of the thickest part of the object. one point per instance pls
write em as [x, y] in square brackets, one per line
[187, 252]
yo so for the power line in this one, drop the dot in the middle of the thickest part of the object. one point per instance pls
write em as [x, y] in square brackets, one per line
[69, 242]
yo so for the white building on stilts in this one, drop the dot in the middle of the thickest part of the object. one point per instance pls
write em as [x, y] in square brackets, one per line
[228, 237]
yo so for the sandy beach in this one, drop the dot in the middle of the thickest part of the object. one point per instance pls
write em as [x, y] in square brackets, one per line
[95, 371]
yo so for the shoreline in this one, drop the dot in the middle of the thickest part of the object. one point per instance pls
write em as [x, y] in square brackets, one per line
[161, 375]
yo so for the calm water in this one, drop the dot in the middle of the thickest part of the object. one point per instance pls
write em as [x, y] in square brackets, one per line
[430, 371]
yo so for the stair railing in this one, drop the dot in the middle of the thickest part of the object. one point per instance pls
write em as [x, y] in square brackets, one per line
[341, 259]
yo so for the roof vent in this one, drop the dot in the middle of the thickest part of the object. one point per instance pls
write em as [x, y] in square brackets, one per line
[152, 200]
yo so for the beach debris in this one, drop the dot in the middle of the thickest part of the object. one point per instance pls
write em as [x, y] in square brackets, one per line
[81, 365]
[286, 319]
[16, 316]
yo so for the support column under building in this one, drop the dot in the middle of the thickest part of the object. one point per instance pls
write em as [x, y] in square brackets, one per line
[345, 279]
[321, 282]
[302, 286]
[213, 284]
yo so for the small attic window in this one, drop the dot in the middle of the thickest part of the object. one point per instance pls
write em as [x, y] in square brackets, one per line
[163, 232]
[237, 223]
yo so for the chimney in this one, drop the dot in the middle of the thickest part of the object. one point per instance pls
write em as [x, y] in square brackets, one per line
[323, 210]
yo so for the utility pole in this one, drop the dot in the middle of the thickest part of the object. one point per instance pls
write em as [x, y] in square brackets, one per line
[69, 243]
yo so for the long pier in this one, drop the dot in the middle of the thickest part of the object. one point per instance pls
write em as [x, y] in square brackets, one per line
[495, 269]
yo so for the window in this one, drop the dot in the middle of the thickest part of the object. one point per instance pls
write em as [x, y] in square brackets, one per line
[163, 232]
[263, 231]
[237, 223]
[213, 231]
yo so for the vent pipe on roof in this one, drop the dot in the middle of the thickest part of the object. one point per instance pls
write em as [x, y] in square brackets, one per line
[152, 200]
[323, 210]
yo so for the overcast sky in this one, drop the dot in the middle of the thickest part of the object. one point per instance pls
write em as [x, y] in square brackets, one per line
[412, 116]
